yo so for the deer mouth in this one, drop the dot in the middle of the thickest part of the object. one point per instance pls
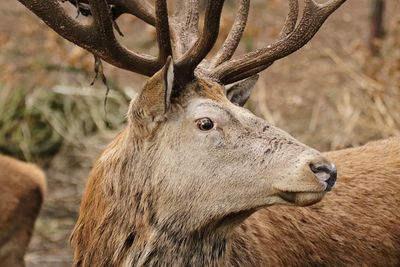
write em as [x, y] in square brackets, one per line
[301, 198]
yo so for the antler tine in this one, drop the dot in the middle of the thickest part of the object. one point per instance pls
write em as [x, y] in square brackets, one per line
[162, 27]
[313, 17]
[111, 50]
[186, 65]
[186, 20]
[97, 37]
[232, 41]
[291, 19]
[141, 9]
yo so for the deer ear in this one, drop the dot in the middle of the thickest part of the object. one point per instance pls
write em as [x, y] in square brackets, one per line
[168, 75]
[153, 102]
[239, 92]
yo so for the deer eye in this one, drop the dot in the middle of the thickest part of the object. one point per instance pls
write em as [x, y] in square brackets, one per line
[205, 124]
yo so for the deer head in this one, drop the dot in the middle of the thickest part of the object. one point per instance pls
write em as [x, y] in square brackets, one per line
[192, 163]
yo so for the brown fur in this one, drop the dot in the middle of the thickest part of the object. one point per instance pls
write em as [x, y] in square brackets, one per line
[162, 195]
[358, 224]
[22, 190]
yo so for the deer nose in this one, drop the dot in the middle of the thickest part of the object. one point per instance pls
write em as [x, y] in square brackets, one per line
[326, 172]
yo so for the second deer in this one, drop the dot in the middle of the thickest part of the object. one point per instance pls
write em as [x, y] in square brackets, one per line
[22, 190]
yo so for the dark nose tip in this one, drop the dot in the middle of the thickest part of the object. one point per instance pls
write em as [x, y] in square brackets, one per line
[326, 172]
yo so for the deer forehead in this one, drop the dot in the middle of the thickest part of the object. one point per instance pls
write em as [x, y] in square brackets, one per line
[203, 107]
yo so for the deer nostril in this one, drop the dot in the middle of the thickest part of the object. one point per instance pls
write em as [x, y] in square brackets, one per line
[325, 172]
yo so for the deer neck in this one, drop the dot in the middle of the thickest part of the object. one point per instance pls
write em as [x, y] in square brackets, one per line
[143, 240]
[180, 250]
[129, 231]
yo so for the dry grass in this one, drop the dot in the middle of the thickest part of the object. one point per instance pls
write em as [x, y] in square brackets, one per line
[34, 124]
[338, 95]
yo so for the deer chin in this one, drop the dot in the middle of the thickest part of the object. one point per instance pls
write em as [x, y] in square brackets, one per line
[301, 198]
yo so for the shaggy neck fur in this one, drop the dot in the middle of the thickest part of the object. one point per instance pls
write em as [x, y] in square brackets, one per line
[123, 228]
[171, 249]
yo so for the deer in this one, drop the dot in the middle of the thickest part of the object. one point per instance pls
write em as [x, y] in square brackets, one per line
[196, 179]
[22, 190]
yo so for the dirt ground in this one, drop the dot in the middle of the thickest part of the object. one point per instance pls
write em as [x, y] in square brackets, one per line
[330, 94]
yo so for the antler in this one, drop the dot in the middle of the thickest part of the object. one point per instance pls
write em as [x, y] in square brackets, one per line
[186, 65]
[232, 41]
[98, 37]
[186, 20]
[162, 26]
[292, 38]
[143, 9]
[188, 47]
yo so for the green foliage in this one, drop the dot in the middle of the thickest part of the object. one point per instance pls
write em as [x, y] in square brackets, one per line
[24, 131]
[35, 123]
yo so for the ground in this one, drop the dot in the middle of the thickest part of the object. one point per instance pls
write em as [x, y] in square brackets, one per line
[331, 94]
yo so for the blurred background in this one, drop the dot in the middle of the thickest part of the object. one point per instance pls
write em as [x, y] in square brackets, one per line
[340, 90]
